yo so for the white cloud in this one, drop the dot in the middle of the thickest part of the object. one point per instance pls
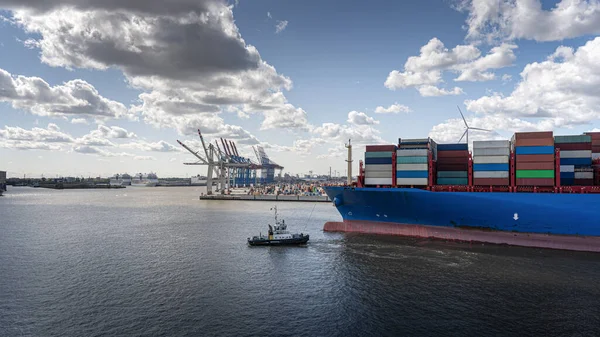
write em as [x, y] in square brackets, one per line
[452, 129]
[337, 133]
[185, 85]
[360, 118]
[394, 108]
[431, 91]
[269, 15]
[434, 59]
[79, 121]
[498, 57]
[280, 26]
[564, 88]
[86, 149]
[72, 98]
[144, 158]
[526, 19]
[51, 134]
[160, 146]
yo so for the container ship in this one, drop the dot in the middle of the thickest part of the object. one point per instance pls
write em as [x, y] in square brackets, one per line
[535, 190]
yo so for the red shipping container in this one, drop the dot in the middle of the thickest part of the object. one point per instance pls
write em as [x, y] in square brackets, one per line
[584, 182]
[535, 158]
[534, 135]
[535, 166]
[456, 160]
[535, 181]
[381, 148]
[534, 142]
[595, 148]
[452, 167]
[453, 154]
[573, 146]
[594, 135]
[491, 182]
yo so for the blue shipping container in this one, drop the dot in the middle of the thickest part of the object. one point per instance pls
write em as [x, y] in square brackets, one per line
[452, 181]
[490, 167]
[369, 161]
[576, 161]
[535, 150]
[412, 174]
[567, 181]
[567, 175]
[452, 147]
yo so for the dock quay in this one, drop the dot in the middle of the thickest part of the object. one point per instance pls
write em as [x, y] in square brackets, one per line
[267, 197]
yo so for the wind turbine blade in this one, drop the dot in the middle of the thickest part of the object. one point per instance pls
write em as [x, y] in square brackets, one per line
[481, 129]
[464, 133]
[463, 117]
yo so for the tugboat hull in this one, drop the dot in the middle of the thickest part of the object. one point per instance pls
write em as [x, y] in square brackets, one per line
[278, 242]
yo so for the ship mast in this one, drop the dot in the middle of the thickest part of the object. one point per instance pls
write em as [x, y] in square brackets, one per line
[349, 161]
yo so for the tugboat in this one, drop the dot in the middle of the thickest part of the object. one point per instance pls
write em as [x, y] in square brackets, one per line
[278, 235]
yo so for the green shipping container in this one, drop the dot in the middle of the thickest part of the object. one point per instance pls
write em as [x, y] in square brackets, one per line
[452, 174]
[411, 160]
[572, 139]
[378, 154]
[452, 181]
[535, 174]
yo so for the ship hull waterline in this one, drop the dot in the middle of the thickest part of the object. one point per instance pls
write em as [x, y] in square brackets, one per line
[567, 222]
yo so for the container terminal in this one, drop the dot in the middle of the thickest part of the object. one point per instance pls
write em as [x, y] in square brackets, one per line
[536, 190]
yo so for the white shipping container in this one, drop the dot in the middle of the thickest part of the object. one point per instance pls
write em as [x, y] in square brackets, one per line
[411, 181]
[576, 154]
[490, 174]
[490, 160]
[584, 175]
[412, 153]
[378, 181]
[499, 151]
[567, 168]
[379, 174]
[411, 167]
[378, 167]
[491, 144]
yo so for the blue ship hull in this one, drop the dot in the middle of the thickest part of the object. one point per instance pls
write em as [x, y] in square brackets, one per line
[563, 221]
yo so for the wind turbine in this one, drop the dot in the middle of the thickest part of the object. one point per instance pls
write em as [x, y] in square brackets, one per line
[468, 127]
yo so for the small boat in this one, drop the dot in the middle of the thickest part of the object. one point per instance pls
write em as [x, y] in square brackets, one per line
[278, 235]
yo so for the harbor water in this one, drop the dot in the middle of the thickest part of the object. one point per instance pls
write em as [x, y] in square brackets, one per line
[161, 262]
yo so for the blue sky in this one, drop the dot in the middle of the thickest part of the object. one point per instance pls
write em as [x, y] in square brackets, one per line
[100, 89]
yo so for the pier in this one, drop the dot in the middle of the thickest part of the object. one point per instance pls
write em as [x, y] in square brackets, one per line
[267, 197]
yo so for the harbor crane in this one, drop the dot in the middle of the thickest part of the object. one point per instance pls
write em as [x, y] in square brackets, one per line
[227, 168]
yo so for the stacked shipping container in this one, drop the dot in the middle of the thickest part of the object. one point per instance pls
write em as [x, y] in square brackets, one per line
[378, 165]
[575, 160]
[491, 163]
[452, 164]
[534, 158]
[412, 161]
[595, 144]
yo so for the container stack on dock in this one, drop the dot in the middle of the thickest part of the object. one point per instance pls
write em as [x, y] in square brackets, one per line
[491, 163]
[534, 158]
[452, 164]
[378, 165]
[575, 160]
[412, 161]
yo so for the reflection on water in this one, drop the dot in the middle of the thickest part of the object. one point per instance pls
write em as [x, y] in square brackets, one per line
[158, 261]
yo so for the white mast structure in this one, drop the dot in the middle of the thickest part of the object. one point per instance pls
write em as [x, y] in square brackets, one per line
[349, 161]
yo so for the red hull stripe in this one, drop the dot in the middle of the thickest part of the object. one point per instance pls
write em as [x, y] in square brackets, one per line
[589, 244]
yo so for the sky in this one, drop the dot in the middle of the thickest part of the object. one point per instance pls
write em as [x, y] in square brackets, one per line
[95, 88]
